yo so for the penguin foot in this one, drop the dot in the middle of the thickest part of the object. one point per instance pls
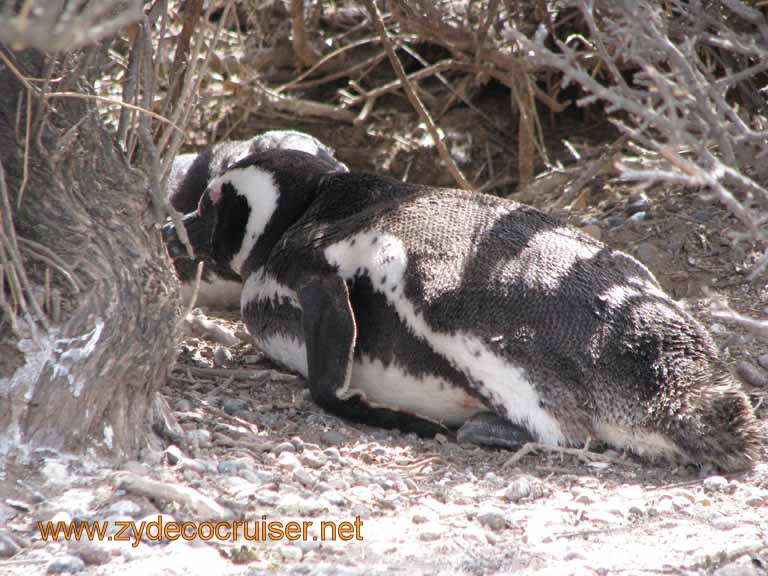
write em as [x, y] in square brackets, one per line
[490, 429]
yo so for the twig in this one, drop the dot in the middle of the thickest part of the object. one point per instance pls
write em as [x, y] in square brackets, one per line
[50, 95]
[301, 46]
[594, 168]
[721, 310]
[397, 66]
[582, 453]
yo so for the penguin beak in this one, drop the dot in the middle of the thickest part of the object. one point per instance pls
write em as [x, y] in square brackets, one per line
[199, 230]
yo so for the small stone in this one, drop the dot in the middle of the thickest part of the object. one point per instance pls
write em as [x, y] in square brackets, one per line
[303, 477]
[288, 460]
[284, 447]
[762, 360]
[331, 437]
[419, 519]
[715, 484]
[298, 443]
[751, 374]
[614, 221]
[173, 454]
[91, 552]
[381, 451]
[199, 437]
[222, 357]
[725, 523]
[8, 546]
[266, 497]
[430, 536]
[291, 552]
[295, 504]
[492, 520]
[441, 438]
[717, 328]
[637, 203]
[314, 459]
[124, 508]
[332, 454]
[68, 563]
[638, 217]
[230, 467]
[252, 358]
[234, 405]
[182, 405]
[335, 497]
[518, 489]
[593, 231]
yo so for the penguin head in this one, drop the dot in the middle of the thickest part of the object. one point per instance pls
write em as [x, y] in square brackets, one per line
[246, 209]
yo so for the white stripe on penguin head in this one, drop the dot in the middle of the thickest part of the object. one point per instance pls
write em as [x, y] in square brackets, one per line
[259, 189]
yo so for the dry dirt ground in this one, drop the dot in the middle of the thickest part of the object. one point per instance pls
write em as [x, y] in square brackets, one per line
[249, 442]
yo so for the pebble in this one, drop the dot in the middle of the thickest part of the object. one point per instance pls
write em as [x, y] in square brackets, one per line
[335, 497]
[331, 437]
[381, 451]
[430, 536]
[303, 477]
[715, 484]
[518, 489]
[614, 221]
[725, 523]
[752, 374]
[222, 357]
[314, 459]
[183, 405]
[419, 519]
[332, 453]
[593, 231]
[199, 436]
[173, 454]
[91, 553]
[298, 443]
[295, 504]
[125, 508]
[230, 467]
[8, 546]
[284, 447]
[252, 358]
[762, 360]
[492, 520]
[637, 203]
[291, 552]
[288, 460]
[638, 217]
[233, 405]
[68, 563]
[266, 497]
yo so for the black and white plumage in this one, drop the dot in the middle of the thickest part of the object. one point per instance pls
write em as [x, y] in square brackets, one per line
[190, 175]
[411, 306]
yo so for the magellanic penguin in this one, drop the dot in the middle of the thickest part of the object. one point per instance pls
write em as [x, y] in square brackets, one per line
[410, 306]
[190, 175]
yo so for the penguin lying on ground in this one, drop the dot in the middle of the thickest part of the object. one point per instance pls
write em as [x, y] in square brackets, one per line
[416, 307]
[190, 174]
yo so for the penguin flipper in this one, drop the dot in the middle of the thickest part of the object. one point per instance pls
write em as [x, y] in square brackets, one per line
[329, 328]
